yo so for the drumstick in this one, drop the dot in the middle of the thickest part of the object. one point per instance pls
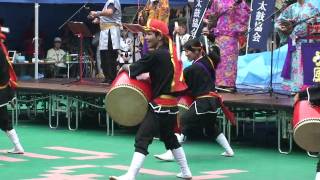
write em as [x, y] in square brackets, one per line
[206, 44]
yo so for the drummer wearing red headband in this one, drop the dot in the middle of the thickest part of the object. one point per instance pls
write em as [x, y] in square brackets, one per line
[7, 85]
[166, 74]
[311, 94]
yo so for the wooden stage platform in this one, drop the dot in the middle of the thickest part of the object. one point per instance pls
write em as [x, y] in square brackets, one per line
[94, 88]
[77, 95]
[68, 86]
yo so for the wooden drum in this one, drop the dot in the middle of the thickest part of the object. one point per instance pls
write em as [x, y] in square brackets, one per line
[306, 126]
[127, 101]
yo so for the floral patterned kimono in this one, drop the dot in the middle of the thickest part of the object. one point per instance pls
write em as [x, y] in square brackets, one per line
[230, 26]
[160, 12]
[316, 3]
[293, 68]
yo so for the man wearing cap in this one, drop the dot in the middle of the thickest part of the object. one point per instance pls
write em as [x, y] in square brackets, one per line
[56, 54]
[165, 72]
[109, 44]
[8, 82]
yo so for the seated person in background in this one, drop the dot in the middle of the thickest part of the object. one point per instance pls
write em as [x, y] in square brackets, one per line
[56, 54]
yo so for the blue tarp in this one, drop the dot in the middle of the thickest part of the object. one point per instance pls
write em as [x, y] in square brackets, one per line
[172, 2]
[254, 69]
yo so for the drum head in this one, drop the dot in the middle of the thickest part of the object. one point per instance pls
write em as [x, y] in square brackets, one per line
[127, 106]
[307, 135]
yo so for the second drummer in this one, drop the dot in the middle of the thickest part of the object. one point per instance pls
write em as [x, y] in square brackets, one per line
[165, 73]
[200, 77]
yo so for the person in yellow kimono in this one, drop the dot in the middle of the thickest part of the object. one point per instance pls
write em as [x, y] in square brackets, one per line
[155, 9]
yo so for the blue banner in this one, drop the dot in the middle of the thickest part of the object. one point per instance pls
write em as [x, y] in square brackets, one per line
[260, 26]
[199, 9]
[311, 63]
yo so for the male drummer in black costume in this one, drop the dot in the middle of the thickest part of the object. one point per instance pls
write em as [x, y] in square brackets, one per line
[7, 83]
[165, 73]
[311, 94]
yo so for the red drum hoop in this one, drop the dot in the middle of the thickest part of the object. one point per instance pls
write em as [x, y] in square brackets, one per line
[306, 126]
[184, 103]
[127, 101]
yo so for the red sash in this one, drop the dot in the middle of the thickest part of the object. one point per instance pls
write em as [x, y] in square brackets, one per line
[229, 114]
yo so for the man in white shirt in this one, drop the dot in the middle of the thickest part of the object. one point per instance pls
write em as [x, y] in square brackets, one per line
[109, 44]
[56, 54]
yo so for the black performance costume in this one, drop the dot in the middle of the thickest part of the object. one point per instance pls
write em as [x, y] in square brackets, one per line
[200, 78]
[163, 109]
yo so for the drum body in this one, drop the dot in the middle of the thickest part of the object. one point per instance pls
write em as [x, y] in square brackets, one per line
[127, 100]
[306, 126]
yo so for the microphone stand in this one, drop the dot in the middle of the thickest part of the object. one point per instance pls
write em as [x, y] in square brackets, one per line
[80, 36]
[74, 14]
[270, 88]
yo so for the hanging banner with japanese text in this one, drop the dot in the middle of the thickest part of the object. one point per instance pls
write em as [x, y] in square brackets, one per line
[311, 63]
[260, 26]
[200, 7]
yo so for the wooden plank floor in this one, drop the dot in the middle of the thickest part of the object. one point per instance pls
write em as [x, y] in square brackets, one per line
[95, 88]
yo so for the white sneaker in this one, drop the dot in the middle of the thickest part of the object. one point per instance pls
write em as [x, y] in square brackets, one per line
[167, 156]
[227, 154]
[184, 176]
[318, 176]
[181, 138]
[16, 150]
[123, 177]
